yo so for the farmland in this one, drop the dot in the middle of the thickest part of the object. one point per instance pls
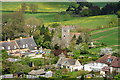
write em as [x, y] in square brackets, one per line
[109, 37]
[42, 6]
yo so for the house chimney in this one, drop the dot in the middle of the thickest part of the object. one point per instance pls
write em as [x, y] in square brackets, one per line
[20, 37]
[8, 40]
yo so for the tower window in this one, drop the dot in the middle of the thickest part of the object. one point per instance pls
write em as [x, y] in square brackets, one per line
[64, 30]
[64, 35]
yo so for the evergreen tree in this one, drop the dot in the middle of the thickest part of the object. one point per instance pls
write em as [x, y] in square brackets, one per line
[79, 40]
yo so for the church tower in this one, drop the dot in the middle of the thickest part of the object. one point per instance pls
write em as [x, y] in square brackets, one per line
[65, 36]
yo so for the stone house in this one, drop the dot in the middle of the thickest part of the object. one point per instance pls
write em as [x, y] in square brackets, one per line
[70, 64]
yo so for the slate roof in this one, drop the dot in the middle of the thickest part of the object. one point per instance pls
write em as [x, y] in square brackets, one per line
[26, 43]
[9, 45]
[66, 61]
[18, 44]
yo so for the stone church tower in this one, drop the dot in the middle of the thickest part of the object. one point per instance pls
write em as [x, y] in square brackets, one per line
[65, 36]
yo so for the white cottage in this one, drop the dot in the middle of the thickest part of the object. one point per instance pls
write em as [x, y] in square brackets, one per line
[93, 66]
[70, 64]
[102, 62]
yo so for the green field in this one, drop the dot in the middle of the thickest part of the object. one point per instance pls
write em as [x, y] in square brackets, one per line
[89, 22]
[42, 6]
[109, 37]
[92, 22]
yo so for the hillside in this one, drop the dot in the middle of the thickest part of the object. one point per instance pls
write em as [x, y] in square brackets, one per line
[92, 22]
[109, 36]
[43, 6]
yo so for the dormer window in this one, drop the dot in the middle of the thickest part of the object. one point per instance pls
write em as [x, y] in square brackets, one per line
[8, 47]
[26, 45]
[3, 48]
[14, 47]
[23, 46]
[109, 60]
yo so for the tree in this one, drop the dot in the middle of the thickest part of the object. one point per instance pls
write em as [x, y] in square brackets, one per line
[12, 25]
[33, 8]
[40, 40]
[110, 8]
[95, 10]
[23, 7]
[83, 48]
[46, 44]
[79, 40]
[117, 77]
[4, 54]
[72, 43]
[32, 24]
[86, 12]
[17, 67]
[118, 14]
